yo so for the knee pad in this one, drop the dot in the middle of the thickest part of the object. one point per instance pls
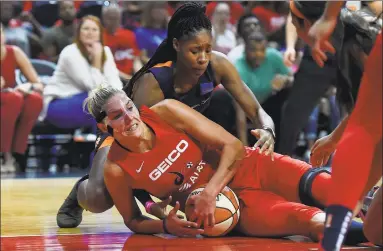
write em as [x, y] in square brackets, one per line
[305, 185]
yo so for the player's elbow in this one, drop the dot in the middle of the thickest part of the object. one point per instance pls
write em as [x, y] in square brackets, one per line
[130, 223]
[236, 146]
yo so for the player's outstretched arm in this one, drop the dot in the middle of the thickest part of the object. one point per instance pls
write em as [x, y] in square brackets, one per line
[333, 9]
[229, 77]
[321, 31]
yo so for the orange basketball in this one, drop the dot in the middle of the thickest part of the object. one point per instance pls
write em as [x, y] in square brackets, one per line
[226, 212]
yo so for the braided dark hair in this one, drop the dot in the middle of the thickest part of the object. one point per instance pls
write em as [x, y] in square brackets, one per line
[187, 20]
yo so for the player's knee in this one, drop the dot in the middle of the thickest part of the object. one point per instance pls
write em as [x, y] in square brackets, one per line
[305, 186]
[373, 232]
[372, 226]
[98, 200]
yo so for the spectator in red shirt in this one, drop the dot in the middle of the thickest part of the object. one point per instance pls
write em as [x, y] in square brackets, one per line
[121, 42]
[270, 19]
[236, 10]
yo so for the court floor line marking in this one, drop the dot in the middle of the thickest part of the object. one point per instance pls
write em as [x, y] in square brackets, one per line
[47, 235]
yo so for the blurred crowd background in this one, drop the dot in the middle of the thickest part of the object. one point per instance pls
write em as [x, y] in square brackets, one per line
[44, 80]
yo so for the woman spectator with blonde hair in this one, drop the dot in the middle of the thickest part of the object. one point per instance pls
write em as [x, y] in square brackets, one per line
[223, 32]
[82, 66]
[20, 104]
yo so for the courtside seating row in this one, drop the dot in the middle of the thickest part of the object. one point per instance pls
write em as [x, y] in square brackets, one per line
[46, 141]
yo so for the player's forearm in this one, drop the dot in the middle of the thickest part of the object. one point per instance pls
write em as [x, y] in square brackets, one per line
[264, 120]
[332, 9]
[291, 34]
[257, 115]
[336, 135]
[144, 225]
[250, 105]
[241, 124]
[231, 154]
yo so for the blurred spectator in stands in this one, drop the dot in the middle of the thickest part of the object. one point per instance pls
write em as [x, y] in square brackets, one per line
[121, 42]
[55, 39]
[236, 10]
[82, 66]
[224, 38]
[91, 8]
[131, 14]
[34, 29]
[173, 6]
[20, 105]
[154, 29]
[263, 71]
[272, 15]
[28, 5]
[35, 26]
[247, 24]
[14, 33]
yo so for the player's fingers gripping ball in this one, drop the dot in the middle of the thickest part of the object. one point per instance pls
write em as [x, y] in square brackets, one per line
[226, 213]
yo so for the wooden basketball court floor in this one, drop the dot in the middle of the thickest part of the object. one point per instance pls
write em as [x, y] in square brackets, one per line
[28, 223]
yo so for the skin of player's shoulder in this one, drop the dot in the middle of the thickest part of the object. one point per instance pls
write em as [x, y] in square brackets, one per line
[147, 91]
[220, 65]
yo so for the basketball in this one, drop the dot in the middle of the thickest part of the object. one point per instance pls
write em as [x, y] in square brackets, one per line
[226, 212]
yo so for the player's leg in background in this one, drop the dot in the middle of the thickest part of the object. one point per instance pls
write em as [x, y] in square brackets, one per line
[373, 222]
[92, 194]
[310, 84]
[265, 214]
[355, 152]
[89, 192]
[352, 165]
[294, 180]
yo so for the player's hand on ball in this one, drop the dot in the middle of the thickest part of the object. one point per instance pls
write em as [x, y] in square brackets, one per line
[322, 150]
[265, 141]
[178, 227]
[159, 209]
[204, 208]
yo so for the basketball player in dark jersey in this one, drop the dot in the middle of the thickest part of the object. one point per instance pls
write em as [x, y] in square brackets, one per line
[185, 68]
[362, 128]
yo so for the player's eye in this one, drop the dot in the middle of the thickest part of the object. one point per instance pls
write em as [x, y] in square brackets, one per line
[117, 116]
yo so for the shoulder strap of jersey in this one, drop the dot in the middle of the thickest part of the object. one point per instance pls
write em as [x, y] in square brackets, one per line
[211, 75]
[164, 75]
[154, 120]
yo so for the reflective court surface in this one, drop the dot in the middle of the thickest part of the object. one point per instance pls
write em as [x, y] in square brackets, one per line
[28, 222]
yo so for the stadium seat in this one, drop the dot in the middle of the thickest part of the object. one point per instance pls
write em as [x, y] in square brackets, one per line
[46, 141]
